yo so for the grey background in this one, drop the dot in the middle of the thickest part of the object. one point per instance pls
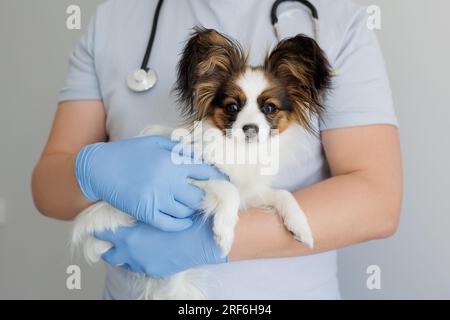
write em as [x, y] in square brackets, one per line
[415, 263]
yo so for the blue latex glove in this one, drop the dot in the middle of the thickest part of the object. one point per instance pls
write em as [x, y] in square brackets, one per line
[138, 177]
[145, 249]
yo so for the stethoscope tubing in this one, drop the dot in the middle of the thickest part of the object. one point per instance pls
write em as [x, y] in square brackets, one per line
[148, 51]
[145, 78]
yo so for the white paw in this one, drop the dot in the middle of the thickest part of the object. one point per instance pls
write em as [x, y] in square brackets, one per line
[222, 202]
[223, 229]
[304, 237]
[296, 223]
[293, 217]
[224, 240]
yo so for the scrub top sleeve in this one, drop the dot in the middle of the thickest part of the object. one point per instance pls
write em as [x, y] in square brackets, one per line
[82, 82]
[360, 93]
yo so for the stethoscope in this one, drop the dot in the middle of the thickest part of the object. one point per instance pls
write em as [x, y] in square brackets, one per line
[145, 78]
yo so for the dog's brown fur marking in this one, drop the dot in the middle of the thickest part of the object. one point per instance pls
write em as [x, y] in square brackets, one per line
[297, 71]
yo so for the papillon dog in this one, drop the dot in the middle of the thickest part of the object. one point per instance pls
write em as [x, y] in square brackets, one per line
[240, 109]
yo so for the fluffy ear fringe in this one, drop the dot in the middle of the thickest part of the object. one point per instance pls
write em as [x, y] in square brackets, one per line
[303, 68]
[207, 60]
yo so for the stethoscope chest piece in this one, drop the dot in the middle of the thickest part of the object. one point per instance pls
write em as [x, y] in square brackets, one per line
[141, 80]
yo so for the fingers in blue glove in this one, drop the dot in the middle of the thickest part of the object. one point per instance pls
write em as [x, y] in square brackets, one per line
[205, 172]
[107, 236]
[145, 249]
[183, 151]
[165, 222]
[164, 142]
[112, 257]
[190, 195]
[139, 177]
[177, 209]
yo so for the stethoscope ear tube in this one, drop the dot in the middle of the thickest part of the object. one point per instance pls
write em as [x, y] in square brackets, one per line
[144, 65]
[306, 3]
[309, 5]
[145, 78]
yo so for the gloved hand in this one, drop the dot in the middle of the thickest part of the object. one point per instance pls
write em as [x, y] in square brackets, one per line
[138, 177]
[145, 249]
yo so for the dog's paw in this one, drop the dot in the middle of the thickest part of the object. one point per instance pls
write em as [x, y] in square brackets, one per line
[221, 201]
[293, 217]
[225, 241]
[305, 237]
[223, 229]
[296, 223]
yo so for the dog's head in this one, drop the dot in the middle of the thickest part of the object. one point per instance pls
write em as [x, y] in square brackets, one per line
[216, 83]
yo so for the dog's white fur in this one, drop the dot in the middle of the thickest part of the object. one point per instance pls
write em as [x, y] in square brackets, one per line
[247, 188]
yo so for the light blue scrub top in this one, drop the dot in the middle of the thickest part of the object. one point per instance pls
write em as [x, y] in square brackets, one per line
[114, 45]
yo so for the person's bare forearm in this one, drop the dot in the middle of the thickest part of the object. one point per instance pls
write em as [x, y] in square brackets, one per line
[342, 211]
[55, 189]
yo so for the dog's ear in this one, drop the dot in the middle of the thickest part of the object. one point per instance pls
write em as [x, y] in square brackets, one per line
[303, 69]
[208, 59]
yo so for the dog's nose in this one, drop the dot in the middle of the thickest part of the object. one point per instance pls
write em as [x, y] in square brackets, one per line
[250, 130]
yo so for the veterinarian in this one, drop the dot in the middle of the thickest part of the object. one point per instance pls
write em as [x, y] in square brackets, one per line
[348, 182]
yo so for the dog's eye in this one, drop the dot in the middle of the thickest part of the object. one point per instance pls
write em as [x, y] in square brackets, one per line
[269, 108]
[232, 108]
